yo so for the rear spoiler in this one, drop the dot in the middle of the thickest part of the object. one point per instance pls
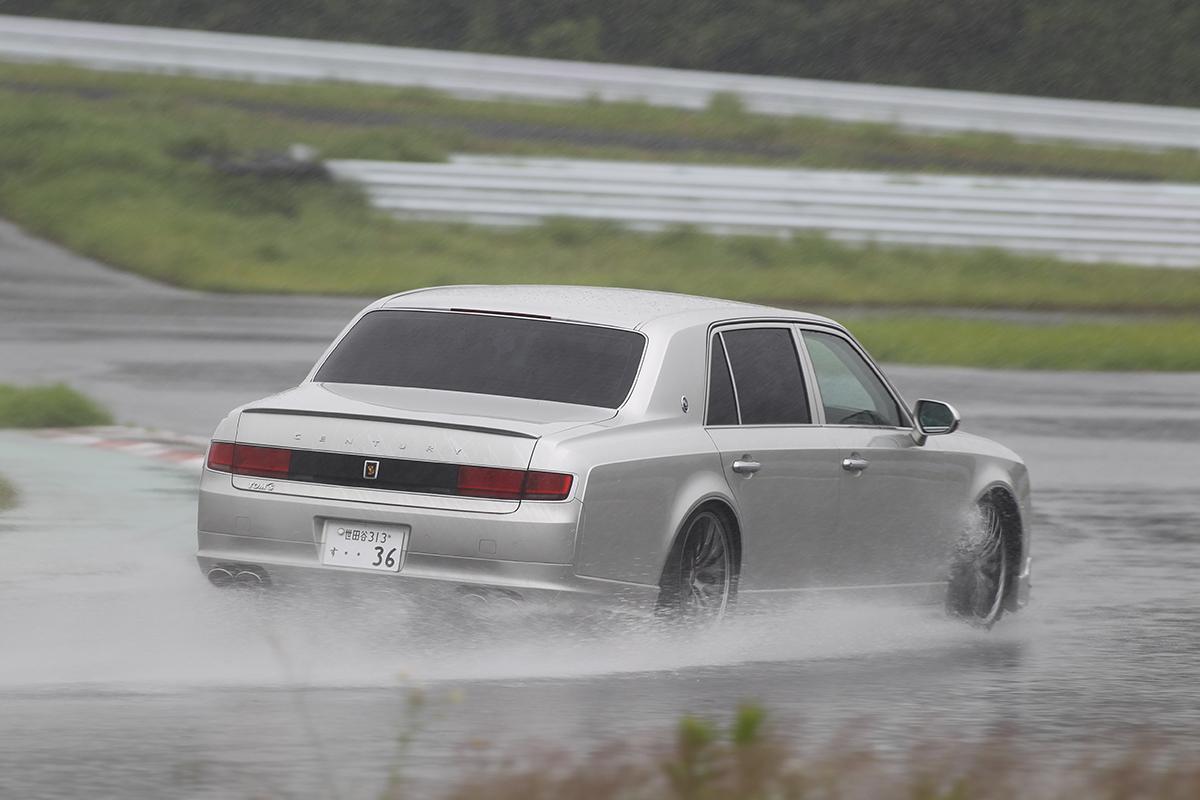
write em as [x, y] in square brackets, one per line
[400, 420]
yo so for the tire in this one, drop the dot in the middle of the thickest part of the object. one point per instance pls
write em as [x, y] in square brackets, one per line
[979, 577]
[699, 580]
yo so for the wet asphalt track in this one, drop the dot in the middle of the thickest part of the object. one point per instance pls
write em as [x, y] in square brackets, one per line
[123, 674]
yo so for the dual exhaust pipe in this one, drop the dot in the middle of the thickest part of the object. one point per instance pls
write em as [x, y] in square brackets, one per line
[254, 577]
[237, 575]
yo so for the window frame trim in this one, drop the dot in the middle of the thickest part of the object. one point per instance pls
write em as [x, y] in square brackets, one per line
[737, 401]
[905, 415]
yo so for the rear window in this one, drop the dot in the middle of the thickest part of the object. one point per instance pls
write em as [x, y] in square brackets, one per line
[766, 376]
[488, 354]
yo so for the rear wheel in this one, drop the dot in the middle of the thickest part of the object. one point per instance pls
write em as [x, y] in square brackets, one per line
[698, 581]
[979, 576]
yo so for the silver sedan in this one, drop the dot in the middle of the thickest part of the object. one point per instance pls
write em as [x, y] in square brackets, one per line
[675, 452]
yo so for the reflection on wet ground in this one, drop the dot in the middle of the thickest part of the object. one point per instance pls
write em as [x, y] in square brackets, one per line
[126, 674]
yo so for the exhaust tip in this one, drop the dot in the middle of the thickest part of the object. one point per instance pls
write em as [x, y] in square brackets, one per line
[219, 576]
[245, 575]
[248, 578]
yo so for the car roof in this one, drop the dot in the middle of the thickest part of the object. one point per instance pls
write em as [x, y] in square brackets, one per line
[621, 308]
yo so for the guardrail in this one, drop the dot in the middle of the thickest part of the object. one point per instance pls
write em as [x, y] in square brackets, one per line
[1092, 221]
[223, 55]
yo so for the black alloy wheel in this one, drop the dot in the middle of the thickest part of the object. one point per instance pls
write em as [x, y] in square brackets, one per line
[699, 584]
[979, 577]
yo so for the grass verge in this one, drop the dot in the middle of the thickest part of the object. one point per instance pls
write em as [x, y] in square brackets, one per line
[750, 760]
[119, 168]
[8, 494]
[125, 179]
[1165, 345]
[373, 122]
[56, 406]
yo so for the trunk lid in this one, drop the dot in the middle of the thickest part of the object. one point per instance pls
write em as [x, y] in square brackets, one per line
[416, 437]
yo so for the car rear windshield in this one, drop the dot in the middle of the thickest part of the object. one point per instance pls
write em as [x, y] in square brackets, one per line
[488, 354]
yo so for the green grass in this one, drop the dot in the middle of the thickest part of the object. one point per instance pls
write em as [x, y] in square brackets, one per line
[8, 494]
[120, 168]
[56, 406]
[380, 122]
[124, 180]
[751, 759]
[1151, 345]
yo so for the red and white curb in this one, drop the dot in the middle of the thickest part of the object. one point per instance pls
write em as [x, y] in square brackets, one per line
[172, 449]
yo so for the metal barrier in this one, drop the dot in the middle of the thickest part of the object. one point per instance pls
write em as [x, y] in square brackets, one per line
[125, 47]
[1143, 224]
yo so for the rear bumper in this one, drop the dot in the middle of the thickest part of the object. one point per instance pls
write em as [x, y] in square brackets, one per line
[529, 551]
[284, 563]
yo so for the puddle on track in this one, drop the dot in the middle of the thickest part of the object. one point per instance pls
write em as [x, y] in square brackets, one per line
[122, 661]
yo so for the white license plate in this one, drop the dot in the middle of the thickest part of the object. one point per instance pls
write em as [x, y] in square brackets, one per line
[364, 545]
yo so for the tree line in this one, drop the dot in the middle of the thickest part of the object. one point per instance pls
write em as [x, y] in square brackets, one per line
[1145, 51]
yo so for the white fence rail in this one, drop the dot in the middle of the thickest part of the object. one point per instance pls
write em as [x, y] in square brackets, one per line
[1142, 224]
[123, 47]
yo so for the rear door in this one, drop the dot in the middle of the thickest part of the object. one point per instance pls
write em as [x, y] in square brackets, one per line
[898, 501]
[782, 468]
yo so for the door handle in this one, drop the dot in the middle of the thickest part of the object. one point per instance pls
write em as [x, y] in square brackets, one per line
[746, 467]
[855, 464]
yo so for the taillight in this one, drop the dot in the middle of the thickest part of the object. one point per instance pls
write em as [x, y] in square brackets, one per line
[503, 484]
[547, 486]
[512, 484]
[490, 482]
[220, 456]
[245, 459]
[262, 462]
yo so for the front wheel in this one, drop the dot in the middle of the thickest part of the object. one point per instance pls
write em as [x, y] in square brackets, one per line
[979, 576]
[698, 581]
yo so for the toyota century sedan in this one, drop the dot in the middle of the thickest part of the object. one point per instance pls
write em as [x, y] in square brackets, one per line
[675, 452]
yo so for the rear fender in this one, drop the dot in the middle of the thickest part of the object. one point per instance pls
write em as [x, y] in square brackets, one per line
[701, 490]
[634, 510]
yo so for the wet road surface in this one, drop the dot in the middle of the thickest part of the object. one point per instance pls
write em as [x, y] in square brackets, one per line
[123, 674]
[157, 356]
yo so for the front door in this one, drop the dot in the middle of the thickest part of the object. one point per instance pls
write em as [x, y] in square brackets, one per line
[896, 508]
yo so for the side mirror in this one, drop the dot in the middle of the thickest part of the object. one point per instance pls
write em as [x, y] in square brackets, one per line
[934, 418]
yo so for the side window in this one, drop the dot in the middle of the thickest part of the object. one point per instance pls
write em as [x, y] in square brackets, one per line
[767, 377]
[850, 391]
[722, 407]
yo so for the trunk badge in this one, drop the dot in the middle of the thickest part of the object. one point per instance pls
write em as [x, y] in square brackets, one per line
[370, 470]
